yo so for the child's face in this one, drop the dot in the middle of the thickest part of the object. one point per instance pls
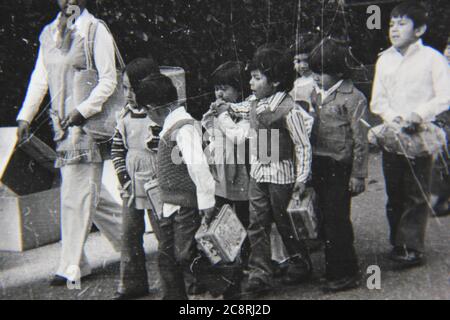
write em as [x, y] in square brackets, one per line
[301, 64]
[226, 93]
[325, 81]
[402, 33]
[261, 86]
[128, 90]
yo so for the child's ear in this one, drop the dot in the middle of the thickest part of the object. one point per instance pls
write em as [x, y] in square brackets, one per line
[419, 32]
[276, 84]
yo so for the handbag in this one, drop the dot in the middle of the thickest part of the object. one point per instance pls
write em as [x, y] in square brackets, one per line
[102, 125]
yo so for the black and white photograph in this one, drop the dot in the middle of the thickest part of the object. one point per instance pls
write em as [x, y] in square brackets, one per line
[224, 154]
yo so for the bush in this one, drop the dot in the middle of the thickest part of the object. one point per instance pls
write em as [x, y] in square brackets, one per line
[197, 35]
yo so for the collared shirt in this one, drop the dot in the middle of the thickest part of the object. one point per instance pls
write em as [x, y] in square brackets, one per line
[418, 81]
[189, 141]
[104, 57]
[326, 93]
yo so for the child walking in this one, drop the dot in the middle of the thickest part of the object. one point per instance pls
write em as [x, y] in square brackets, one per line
[411, 87]
[340, 158]
[274, 180]
[186, 184]
[225, 127]
[135, 165]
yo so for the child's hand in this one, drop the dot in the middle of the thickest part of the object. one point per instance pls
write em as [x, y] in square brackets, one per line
[125, 190]
[357, 186]
[413, 123]
[208, 215]
[414, 118]
[219, 106]
[299, 190]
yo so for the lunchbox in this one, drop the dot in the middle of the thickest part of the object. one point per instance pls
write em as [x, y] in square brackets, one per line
[154, 196]
[303, 217]
[222, 239]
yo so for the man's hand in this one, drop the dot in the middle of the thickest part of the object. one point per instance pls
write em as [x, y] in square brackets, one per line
[208, 214]
[23, 132]
[73, 119]
[357, 186]
[299, 189]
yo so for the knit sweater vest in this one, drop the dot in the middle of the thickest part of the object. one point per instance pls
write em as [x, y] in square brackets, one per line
[271, 120]
[175, 184]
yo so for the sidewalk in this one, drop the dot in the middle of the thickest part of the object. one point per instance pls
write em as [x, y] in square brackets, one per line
[37, 265]
[26, 275]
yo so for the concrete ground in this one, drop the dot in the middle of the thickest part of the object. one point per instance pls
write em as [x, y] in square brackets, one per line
[26, 275]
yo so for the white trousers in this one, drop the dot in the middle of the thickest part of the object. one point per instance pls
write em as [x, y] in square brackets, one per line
[80, 206]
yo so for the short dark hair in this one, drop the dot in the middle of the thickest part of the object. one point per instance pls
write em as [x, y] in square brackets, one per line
[304, 44]
[139, 69]
[330, 56]
[156, 90]
[232, 73]
[276, 64]
[414, 10]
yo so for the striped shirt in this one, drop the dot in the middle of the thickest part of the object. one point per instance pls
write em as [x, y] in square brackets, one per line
[287, 171]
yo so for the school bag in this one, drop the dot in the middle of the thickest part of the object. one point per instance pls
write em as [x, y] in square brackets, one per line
[102, 125]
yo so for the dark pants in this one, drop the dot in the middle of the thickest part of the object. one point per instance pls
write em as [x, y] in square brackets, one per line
[441, 180]
[133, 272]
[268, 204]
[331, 182]
[177, 251]
[408, 189]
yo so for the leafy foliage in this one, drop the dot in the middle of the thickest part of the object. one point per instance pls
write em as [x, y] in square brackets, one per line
[197, 35]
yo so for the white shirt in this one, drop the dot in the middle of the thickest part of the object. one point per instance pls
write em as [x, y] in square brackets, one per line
[417, 82]
[189, 142]
[104, 57]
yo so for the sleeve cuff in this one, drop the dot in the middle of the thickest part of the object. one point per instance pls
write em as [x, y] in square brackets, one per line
[85, 111]
[205, 201]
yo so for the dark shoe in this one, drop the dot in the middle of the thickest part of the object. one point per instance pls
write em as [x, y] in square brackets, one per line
[298, 271]
[129, 296]
[196, 289]
[442, 209]
[257, 286]
[58, 281]
[407, 258]
[343, 284]
[280, 269]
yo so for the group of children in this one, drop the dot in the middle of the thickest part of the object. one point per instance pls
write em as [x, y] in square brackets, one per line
[316, 127]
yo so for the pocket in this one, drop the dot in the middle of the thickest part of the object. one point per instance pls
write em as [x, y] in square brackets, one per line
[140, 179]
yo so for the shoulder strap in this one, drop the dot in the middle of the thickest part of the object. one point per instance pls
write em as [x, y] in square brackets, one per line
[89, 45]
[177, 126]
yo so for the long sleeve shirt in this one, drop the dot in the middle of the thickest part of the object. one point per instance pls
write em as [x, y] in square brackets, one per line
[104, 58]
[288, 171]
[189, 141]
[418, 81]
[281, 172]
